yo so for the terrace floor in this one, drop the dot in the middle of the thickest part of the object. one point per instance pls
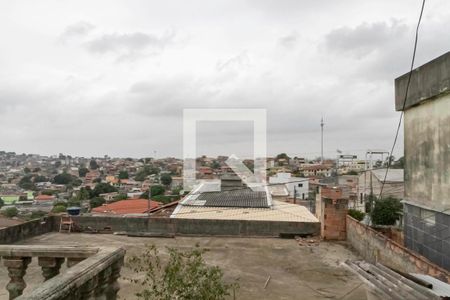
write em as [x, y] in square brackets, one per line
[297, 272]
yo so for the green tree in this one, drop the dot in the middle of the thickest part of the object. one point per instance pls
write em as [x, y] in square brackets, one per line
[399, 164]
[102, 188]
[156, 190]
[215, 165]
[123, 174]
[26, 170]
[282, 156]
[356, 214]
[120, 197]
[166, 179]
[386, 211]
[10, 212]
[82, 172]
[184, 275]
[145, 171]
[26, 184]
[40, 178]
[93, 164]
[63, 178]
[96, 202]
[59, 209]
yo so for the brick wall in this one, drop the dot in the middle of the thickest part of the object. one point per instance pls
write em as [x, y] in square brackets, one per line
[332, 213]
[334, 219]
[374, 247]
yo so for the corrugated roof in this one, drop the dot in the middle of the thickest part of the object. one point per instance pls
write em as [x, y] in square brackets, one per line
[394, 175]
[280, 211]
[131, 206]
[440, 288]
[234, 198]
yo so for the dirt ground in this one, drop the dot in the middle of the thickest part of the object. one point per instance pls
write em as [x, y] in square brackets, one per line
[296, 271]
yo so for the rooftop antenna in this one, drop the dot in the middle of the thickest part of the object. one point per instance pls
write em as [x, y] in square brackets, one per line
[321, 147]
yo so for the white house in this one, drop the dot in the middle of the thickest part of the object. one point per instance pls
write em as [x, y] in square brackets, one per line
[297, 186]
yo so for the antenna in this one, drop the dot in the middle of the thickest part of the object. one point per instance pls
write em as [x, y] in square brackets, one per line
[321, 146]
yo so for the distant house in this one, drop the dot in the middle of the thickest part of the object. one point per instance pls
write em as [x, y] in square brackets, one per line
[370, 182]
[44, 198]
[125, 207]
[176, 182]
[316, 170]
[298, 187]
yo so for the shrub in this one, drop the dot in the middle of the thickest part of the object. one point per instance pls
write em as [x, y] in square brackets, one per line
[386, 211]
[184, 275]
[356, 214]
[59, 209]
[96, 202]
[11, 212]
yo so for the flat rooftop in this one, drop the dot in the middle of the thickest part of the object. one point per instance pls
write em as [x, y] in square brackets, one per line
[297, 271]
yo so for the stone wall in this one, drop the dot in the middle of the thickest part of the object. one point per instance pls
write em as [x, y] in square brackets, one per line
[374, 247]
[12, 234]
[196, 227]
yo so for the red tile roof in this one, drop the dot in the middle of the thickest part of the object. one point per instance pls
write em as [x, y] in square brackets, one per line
[45, 198]
[130, 206]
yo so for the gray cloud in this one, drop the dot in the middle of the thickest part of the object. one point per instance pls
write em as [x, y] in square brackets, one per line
[129, 46]
[236, 62]
[364, 38]
[79, 29]
[289, 41]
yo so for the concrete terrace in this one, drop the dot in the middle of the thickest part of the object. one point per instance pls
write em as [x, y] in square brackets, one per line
[297, 272]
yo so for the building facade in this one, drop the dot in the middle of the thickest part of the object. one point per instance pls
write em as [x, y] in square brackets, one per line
[427, 159]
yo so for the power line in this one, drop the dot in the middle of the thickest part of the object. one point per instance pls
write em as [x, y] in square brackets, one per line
[406, 97]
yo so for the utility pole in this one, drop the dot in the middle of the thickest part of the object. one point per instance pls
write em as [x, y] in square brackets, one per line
[295, 194]
[321, 144]
[149, 200]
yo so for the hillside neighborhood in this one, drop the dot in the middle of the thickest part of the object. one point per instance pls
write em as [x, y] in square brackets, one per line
[225, 150]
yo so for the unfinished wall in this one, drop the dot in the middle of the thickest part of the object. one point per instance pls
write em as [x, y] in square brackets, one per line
[199, 227]
[427, 154]
[332, 213]
[13, 234]
[375, 247]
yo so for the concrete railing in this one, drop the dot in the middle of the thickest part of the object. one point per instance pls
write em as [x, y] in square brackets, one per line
[92, 272]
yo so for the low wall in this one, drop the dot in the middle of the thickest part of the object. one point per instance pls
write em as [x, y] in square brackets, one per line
[15, 233]
[196, 227]
[374, 247]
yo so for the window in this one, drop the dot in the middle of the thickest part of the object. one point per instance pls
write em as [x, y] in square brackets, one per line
[300, 185]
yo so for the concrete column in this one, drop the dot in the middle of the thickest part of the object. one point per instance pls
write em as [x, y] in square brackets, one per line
[88, 289]
[103, 284]
[114, 287]
[17, 267]
[72, 261]
[50, 266]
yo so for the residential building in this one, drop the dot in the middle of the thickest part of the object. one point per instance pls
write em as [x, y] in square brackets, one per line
[316, 170]
[427, 158]
[298, 187]
[206, 201]
[370, 182]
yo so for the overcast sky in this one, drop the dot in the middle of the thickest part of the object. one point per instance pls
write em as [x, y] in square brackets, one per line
[113, 77]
